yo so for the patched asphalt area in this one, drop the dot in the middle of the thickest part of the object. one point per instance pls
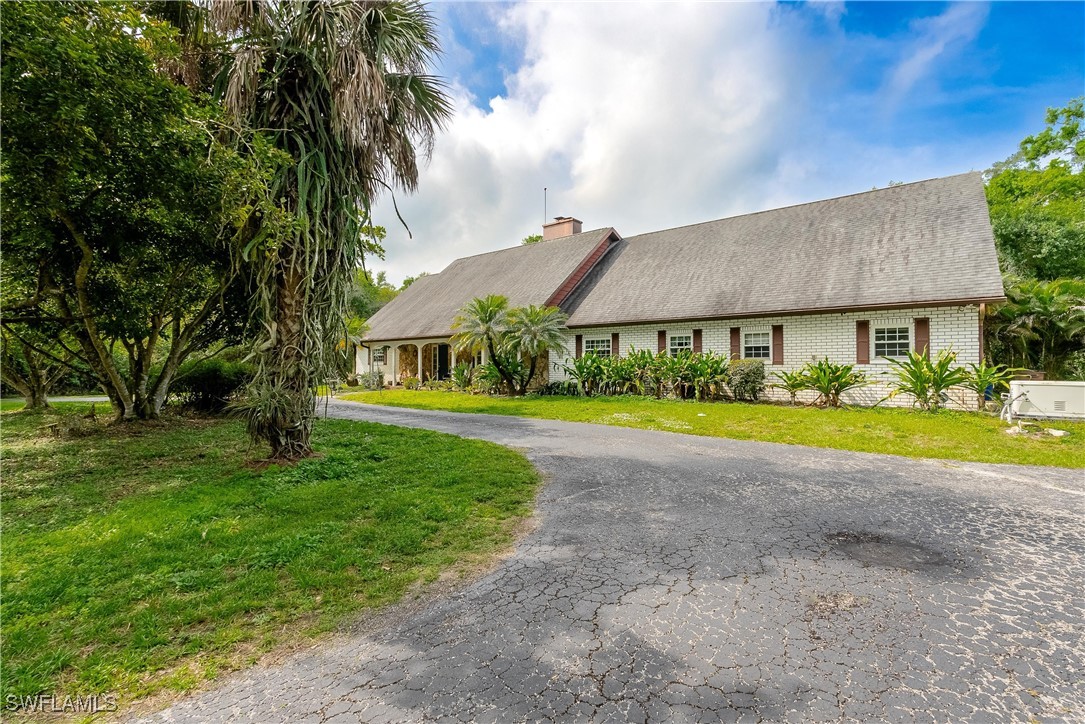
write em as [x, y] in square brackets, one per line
[678, 578]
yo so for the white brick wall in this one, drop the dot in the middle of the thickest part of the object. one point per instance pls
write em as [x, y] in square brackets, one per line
[813, 336]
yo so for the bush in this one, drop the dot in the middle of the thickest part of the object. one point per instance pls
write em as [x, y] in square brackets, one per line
[792, 383]
[985, 379]
[747, 379]
[462, 375]
[209, 385]
[371, 380]
[925, 380]
[411, 383]
[487, 379]
[831, 380]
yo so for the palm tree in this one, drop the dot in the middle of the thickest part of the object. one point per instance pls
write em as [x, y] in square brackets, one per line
[482, 324]
[339, 88]
[1043, 323]
[534, 331]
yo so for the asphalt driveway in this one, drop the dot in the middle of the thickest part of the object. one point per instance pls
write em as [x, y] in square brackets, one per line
[679, 578]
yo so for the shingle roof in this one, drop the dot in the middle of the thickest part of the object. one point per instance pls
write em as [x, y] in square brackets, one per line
[525, 274]
[929, 241]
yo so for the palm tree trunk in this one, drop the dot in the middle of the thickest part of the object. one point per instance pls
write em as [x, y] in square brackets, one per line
[292, 438]
[530, 374]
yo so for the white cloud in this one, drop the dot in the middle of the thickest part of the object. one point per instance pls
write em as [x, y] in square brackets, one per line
[642, 117]
[936, 37]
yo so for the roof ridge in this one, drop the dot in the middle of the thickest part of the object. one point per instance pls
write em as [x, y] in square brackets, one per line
[527, 246]
[803, 203]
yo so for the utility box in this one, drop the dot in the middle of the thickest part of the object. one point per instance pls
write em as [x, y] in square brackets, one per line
[1048, 400]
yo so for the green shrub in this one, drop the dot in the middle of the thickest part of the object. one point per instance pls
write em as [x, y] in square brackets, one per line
[830, 380]
[487, 379]
[462, 375]
[588, 373]
[708, 375]
[210, 384]
[411, 383]
[747, 379]
[792, 382]
[371, 380]
[925, 380]
[984, 379]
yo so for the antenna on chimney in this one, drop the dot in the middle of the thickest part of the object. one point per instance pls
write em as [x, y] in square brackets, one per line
[544, 204]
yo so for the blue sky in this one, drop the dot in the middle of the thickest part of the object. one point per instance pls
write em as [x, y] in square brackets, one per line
[643, 116]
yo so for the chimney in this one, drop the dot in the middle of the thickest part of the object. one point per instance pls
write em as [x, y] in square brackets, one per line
[561, 226]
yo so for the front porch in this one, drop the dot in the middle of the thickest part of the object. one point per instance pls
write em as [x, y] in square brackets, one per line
[424, 359]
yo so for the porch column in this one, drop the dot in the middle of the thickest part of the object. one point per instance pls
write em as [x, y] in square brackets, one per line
[418, 361]
[485, 355]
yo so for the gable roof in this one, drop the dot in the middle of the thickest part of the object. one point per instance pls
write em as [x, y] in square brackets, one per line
[531, 274]
[913, 244]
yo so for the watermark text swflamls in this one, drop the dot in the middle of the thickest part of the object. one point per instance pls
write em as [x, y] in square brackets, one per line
[54, 704]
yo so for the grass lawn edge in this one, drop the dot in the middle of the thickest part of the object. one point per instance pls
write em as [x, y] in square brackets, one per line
[949, 436]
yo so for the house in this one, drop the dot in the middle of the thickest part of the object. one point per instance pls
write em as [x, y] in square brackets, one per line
[856, 279]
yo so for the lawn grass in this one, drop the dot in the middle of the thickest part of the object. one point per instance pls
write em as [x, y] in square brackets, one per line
[946, 434]
[146, 557]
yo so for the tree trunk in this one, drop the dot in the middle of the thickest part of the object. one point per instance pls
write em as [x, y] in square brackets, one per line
[290, 431]
[496, 360]
[530, 375]
[33, 386]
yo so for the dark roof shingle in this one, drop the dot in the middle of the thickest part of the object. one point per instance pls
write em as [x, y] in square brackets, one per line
[525, 274]
[913, 244]
[923, 242]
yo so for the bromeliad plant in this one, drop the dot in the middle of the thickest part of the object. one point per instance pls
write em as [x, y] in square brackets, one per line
[587, 371]
[985, 379]
[831, 380]
[792, 382]
[926, 380]
[462, 375]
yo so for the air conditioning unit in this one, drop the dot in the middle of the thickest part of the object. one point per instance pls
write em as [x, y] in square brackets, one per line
[1047, 400]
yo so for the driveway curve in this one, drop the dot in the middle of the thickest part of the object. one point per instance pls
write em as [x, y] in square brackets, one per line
[680, 578]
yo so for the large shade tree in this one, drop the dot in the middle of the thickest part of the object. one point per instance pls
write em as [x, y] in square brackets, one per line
[342, 88]
[117, 200]
[1037, 200]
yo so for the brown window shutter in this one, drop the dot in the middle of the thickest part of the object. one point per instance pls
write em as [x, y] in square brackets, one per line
[777, 344]
[923, 336]
[613, 344]
[661, 340]
[696, 341]
[736, 342]
[862, 342]
[579, 346]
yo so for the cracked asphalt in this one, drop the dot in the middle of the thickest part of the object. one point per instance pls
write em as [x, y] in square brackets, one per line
[681, 578]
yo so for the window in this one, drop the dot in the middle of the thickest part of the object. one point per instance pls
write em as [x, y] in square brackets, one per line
[378, 355]
[600, 347]
[891, 342]
[680, 342]
[477, 359]
[756, 345]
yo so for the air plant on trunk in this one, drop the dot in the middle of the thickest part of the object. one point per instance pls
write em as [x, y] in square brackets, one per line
[342, 88]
